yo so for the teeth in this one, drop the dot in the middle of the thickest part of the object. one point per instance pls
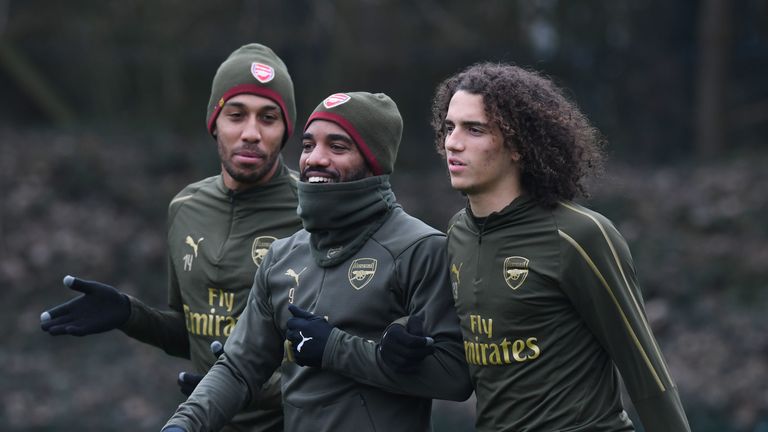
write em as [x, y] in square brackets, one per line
[319, 180]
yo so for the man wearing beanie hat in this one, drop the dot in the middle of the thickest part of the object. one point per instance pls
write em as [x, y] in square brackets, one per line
[359, 300]
[219, 231]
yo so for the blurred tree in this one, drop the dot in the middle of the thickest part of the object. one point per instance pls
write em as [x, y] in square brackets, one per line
[714, 47]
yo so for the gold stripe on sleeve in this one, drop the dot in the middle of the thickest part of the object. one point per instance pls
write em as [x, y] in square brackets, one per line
[599, 275]
[179, 199]
[626, 285]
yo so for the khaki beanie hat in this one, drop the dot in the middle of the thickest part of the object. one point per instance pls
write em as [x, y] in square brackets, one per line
[372, 120]
[253, 69]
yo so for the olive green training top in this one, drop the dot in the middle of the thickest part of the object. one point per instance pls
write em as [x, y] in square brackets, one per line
[217, 240]
[363, 263]
[550, 312]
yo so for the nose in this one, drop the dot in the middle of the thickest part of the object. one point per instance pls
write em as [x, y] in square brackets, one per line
[251, 130]
[453, 142]
[318, 157]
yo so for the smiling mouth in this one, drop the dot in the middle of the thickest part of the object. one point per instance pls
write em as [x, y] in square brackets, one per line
[318, 179]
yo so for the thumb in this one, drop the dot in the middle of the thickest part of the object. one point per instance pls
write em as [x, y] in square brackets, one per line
[300, 313]
[415, 325]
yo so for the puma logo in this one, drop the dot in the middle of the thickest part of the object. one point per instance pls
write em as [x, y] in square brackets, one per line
[455, 270]
[193, 244]
[303, 339]
[295, 275]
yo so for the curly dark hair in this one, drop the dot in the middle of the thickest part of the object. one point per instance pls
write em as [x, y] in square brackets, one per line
[557, 144]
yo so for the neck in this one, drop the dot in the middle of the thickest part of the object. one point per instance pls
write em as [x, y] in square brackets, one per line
[486, 203]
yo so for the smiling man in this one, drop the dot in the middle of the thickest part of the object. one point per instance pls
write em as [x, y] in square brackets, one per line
[359, 300]
[219, 231]
[545, 289]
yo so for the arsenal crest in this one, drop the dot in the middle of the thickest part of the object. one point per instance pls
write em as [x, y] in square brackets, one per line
[361, 272]
[336, 99]
[515, 271]
[263, 73]
[260, 248]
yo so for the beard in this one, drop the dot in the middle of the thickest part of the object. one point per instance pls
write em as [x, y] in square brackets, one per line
[248, 176]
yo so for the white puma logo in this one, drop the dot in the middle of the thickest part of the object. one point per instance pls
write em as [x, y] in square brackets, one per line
[194, 245]
[303, 339]
[295, 275]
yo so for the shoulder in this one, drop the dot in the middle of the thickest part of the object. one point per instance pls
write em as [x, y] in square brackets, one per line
[458, 218]
[585, 228]
[284, 246]
[206, 186]
[402, 231]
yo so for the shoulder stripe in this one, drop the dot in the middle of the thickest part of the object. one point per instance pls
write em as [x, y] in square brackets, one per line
[600, 276]
[626, 285]
[179, 199]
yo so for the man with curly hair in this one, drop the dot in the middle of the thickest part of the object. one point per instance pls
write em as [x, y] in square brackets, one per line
[545, 289]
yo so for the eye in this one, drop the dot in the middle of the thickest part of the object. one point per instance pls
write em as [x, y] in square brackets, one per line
[474, 130]
[339, 147]
[269, 117]
[307, 146]
[448, 127]
[234, 115]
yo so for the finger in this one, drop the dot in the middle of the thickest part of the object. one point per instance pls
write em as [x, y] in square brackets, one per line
[293, 336]
[57, 330]
[415, 325]
[59, 311]
[299, 312]
[399, 336]
[217, 348]
[76, 330]
[77, 284]
[56, 322]
[296, 324]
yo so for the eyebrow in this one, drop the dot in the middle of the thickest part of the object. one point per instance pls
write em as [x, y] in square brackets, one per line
[331, 137]
[268, 107]
[469, 123]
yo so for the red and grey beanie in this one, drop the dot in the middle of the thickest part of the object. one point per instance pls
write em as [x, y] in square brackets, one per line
[253, 69]
[372, 120]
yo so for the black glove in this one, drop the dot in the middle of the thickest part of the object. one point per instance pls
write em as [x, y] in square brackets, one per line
[308, 333]
[403, 348]
[100, 308]
[188, 381]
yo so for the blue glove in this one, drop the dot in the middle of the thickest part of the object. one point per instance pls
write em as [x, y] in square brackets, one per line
[100, 308]
[308, 334]
[188, 381]
[404, 348]
[173, 429]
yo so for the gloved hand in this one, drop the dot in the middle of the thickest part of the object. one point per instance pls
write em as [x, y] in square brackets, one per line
[173, 429]
[187, 381]
[100, 308]
[308, 334]
[404, 348]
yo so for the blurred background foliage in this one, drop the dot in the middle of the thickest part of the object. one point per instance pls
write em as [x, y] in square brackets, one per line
[102, 122]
